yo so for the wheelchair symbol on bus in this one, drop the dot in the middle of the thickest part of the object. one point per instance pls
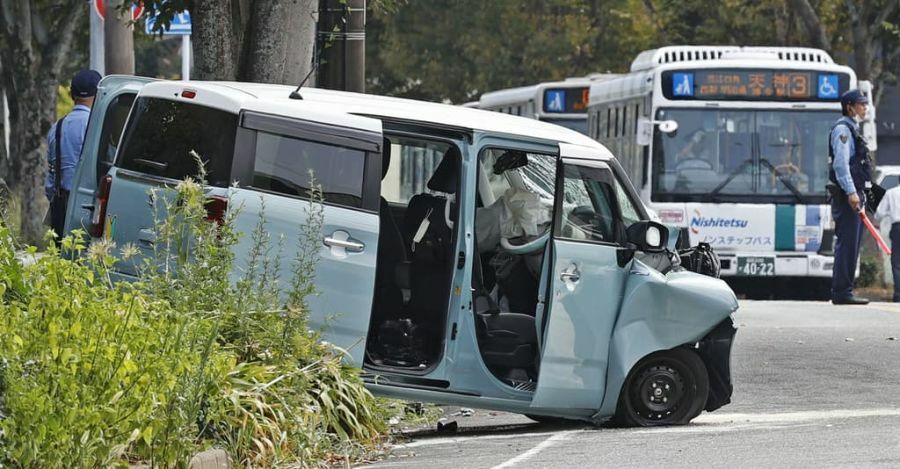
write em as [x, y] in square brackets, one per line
[828, 86]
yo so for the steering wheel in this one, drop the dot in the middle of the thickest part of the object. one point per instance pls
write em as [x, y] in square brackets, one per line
[534, 245]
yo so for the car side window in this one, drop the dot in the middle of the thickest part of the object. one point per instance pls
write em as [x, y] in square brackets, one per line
[162, 135]
[288, 166]
[589, 208]
[890, 181]
[113, 122]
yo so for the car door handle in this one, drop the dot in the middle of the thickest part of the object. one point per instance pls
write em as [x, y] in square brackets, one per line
[349, 244]
[572, 276]
[88, 207]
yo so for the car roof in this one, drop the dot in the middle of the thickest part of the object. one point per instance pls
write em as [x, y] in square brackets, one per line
[339, 108]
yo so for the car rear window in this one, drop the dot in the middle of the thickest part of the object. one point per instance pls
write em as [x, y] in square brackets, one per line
[161, 134]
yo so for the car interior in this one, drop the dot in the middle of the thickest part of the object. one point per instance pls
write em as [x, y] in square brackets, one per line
[513, 218]
[416, 257]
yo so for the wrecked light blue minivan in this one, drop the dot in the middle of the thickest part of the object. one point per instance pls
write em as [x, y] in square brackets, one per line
[467, 257]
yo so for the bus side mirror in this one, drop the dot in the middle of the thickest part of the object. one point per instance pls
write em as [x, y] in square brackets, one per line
[645, 129]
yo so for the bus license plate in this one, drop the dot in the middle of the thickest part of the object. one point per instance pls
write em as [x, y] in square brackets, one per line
[756, 266]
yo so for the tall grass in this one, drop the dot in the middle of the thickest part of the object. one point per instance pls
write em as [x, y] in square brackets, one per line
[180, 360]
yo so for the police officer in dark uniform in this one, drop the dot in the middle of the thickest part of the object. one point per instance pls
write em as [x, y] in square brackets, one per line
[850, 174]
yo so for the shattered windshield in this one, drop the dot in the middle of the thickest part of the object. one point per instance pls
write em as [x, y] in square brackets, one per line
[764, 155]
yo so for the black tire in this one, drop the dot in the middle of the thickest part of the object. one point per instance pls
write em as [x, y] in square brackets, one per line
[664, 388]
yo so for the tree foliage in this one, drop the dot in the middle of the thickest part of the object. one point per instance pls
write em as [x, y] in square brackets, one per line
[454, 50]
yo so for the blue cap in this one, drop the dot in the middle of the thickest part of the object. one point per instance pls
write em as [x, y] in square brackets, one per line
[84, 83]
[853, 97]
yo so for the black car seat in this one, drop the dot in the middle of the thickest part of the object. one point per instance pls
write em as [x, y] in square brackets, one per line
[430, 247]
[507, 341]
[388, 300]
[434, 239]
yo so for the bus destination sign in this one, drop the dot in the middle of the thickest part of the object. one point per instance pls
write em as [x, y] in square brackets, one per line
[755, 85]
[566, 100]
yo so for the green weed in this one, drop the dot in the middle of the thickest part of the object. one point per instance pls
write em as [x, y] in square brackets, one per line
[98, 373]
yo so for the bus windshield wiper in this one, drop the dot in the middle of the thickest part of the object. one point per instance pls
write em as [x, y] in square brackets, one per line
[787, 183]
[731, 176]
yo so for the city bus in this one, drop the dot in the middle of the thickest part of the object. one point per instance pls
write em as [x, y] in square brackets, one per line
[559, 102]
[731, 144]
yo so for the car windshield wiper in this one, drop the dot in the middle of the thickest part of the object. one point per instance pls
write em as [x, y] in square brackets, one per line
[787, 183]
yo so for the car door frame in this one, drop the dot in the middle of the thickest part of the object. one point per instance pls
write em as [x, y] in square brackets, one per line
[90, 166]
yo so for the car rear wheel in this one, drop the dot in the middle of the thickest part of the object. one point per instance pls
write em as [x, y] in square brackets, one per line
[664, 388]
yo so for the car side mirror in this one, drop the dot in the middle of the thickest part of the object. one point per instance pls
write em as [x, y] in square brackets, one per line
[648, 236]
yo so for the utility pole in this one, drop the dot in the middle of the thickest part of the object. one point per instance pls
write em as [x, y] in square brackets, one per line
[342, 45]
[118, 40]
[98, 62]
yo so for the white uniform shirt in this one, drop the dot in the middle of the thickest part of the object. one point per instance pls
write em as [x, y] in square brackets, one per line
[890, 206]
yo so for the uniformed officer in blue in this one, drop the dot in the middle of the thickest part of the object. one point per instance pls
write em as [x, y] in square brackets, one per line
[64, 146]
[850, 174]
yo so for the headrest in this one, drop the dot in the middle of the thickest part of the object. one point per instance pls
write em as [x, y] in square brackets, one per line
[385, 156]
[446, 176]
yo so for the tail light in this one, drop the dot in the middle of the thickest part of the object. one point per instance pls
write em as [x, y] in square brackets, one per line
[216, 207]
[99, 217]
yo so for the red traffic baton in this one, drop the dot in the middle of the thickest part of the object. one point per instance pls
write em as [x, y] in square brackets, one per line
[869, 226]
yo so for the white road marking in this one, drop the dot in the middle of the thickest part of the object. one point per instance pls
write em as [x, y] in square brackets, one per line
[457, 440]
[710, 423]
[537, 449]
[793, 417]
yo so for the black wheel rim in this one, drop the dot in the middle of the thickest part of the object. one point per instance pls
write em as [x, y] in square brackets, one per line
[659, 391]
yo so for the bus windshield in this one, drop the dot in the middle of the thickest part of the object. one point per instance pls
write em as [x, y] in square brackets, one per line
[722, 155]
[578, 125]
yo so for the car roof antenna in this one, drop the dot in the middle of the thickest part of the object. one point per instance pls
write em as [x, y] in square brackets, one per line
[296, 93]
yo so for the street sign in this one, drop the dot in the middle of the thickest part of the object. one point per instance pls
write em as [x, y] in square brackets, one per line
[136, 10]
[180, 25]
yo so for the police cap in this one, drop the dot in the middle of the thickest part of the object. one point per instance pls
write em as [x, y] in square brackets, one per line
[853, 97]
[84, 83]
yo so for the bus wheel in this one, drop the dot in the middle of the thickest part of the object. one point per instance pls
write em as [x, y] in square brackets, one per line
[664, 388]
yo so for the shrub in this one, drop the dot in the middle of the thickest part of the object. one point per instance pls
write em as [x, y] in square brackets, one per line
[98, 374]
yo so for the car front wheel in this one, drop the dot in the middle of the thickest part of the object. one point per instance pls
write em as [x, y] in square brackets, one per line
[664, 388]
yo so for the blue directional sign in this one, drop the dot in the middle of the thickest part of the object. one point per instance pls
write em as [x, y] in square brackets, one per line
[555, 101]
[828, 87]
[682, 84]
[180, 25]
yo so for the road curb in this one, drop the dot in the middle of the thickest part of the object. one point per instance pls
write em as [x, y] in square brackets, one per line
[210, 459]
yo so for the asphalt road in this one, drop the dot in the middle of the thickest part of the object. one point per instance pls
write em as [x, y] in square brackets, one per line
[816, 385]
